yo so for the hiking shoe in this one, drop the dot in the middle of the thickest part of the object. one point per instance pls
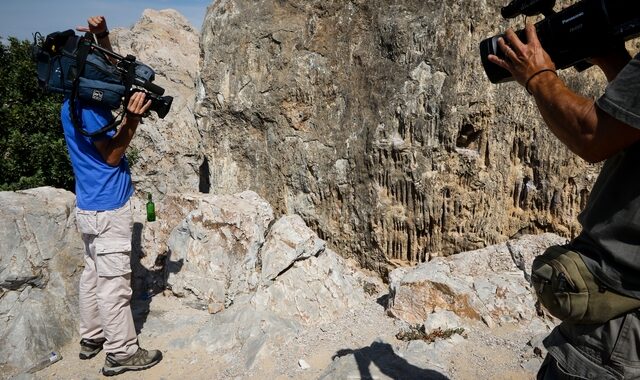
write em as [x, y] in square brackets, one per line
[142, 359]
[90, 348]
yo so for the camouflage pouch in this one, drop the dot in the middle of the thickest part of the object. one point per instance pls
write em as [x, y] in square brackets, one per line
[567, 289]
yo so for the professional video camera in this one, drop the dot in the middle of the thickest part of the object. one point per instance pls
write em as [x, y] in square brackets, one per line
[79, 68]
[571, 36]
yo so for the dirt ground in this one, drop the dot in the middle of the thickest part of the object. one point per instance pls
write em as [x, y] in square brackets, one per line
[499, 353]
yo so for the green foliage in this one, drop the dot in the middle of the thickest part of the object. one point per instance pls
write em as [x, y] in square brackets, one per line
[133, 156]
[32, 148]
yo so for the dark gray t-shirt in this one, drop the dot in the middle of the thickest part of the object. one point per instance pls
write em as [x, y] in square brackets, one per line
[611, 219]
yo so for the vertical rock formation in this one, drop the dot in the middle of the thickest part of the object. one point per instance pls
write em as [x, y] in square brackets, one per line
[165, 154]
[375, 122]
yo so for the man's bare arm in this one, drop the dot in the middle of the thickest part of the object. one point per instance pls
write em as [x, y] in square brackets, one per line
[577, 121]
[112, 150]
[97, 25]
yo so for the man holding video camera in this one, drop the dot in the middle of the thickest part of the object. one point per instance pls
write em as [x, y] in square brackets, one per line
[104, 217]
[609, 244]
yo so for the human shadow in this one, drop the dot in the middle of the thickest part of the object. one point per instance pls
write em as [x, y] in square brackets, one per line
[382, 355]
[145, 282]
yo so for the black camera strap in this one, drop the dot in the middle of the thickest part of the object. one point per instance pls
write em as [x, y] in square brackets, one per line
[84, 48]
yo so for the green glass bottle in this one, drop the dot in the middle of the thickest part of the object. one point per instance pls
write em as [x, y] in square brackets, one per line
[151, 209]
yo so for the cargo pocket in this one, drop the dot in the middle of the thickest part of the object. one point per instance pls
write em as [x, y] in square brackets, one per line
[113, 256]
[559, 373]
[626, 350]
[112, 264]
[567, 289]
[87, 222]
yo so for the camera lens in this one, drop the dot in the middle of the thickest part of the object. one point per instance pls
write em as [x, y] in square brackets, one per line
[495, 73]
[161, 105]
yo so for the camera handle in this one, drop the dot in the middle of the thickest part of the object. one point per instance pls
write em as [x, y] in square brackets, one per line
[130, 61]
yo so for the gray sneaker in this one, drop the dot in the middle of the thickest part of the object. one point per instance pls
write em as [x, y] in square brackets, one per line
[90, 348]
[142, 359]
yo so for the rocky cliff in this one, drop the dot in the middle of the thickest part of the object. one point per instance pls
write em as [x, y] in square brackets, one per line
[165, 155]
[374, 121]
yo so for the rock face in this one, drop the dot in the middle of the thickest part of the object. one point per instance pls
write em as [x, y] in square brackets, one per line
[263, 279]
[375, 122]
[165, 153]
[41, 257]
[230, 250]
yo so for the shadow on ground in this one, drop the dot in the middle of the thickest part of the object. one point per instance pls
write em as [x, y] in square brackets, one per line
[146, 283]
[388, 362]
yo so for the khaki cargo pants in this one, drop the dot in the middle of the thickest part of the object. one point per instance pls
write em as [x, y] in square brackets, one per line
[105, 284]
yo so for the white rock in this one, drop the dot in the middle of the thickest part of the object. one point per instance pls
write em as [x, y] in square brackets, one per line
[289, 240]
[488, 284]
[303, 364]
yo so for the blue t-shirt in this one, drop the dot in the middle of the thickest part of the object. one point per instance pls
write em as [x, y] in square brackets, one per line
[99, 186]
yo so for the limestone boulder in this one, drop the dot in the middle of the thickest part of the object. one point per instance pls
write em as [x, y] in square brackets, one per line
[312, 292]
[486, 285]
[316, 290]
[289, 240]
[41, 258]
[263, 279]
[248, 333]
[231, 246]
[216, 248]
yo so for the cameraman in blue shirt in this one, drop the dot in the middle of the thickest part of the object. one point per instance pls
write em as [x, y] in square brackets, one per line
[104, 218]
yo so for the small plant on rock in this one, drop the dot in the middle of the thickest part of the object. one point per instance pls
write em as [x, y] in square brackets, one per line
[415, 332]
